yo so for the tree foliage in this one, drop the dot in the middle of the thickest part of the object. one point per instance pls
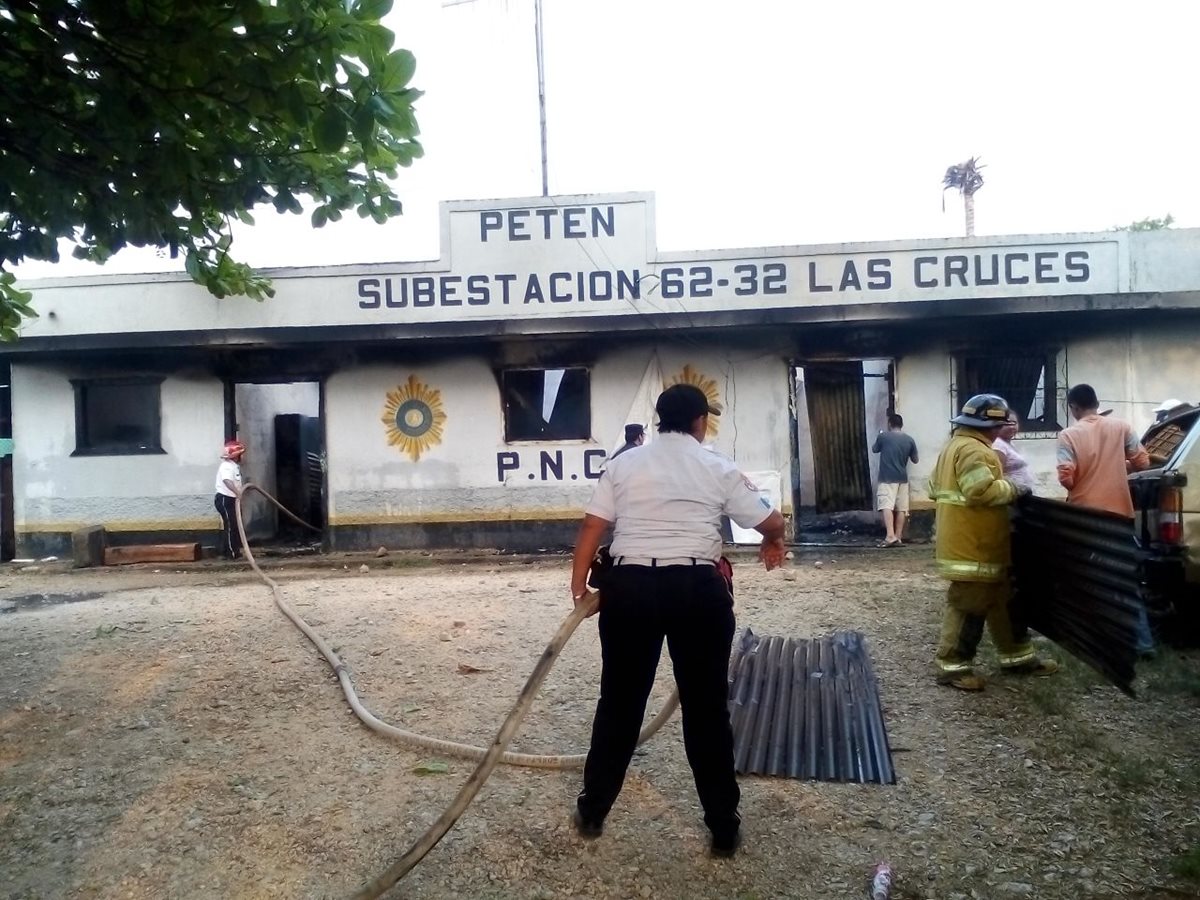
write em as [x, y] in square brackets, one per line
[966, 177]
[1147, 224]
[156, 122]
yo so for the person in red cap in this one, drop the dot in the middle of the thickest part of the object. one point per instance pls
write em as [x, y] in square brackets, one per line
[229, 484]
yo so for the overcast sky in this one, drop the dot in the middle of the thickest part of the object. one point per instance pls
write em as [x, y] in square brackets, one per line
[760, 123]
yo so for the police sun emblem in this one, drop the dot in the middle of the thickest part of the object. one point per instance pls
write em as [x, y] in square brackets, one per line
[413, 418]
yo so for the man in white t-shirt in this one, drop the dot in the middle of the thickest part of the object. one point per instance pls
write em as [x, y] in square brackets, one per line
[664, 504]
[228, 485]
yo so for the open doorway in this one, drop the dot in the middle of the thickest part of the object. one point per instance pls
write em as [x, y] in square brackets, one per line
[281, 425]
[840, 406]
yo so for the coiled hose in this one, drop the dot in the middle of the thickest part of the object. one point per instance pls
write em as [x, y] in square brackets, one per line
[488, 757]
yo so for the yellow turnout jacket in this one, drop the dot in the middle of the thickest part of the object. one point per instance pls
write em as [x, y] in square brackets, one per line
[972, 520]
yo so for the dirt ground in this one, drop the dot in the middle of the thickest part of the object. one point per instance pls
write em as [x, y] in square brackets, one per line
[167, 733]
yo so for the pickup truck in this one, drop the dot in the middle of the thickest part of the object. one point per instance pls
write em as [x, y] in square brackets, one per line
[1166, 500]
[1086, 578]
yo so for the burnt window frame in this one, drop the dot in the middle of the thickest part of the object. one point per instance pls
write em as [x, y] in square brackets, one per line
[1054, 390]
[511, 437]
[85, 446]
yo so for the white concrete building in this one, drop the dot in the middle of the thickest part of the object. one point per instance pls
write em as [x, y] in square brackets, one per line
[472, 400]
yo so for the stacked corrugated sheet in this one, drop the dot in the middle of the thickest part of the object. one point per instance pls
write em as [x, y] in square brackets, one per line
[1078, 581]
[808, 708]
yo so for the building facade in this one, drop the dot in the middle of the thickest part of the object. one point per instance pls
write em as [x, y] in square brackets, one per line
[471, 401]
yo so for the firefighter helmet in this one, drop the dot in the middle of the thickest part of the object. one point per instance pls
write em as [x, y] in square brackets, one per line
[983, 411]
[233, 449]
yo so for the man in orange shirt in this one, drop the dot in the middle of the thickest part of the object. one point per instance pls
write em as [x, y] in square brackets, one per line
[1095, 456]
[1092, 455]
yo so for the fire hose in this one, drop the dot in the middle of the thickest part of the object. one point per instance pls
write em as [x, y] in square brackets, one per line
[488, 757]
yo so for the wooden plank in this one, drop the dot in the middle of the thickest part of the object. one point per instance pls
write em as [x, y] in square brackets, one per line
[143, 553]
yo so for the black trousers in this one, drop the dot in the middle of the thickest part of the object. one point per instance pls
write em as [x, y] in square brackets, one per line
[692, 608]
[231, 541]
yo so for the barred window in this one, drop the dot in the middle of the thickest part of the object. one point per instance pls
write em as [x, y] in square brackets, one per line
[1030, 382]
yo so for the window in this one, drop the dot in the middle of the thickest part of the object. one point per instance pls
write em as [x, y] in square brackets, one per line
[1029, 381]
[117, 416]
[546, 404]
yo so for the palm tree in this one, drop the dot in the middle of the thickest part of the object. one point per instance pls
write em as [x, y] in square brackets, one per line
[967, 179]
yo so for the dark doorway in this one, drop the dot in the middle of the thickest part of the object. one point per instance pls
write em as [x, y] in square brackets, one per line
[281, 424]
[836, 413]
[299, 473]
[840, 405]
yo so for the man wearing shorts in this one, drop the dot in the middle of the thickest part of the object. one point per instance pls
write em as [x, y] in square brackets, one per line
[896, 449]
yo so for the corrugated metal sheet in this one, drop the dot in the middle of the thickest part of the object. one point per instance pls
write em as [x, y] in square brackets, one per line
[836, 416]
[1079, 581]
[808, 709]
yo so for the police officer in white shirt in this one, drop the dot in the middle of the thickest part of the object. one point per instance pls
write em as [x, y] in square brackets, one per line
[664, 502]
[229, 482]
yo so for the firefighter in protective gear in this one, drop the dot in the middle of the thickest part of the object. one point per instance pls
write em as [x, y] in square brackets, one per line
[973, 548]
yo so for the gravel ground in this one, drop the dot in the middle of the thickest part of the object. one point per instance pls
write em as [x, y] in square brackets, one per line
[168, 734]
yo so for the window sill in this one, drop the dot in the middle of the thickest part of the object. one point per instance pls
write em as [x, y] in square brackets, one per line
[120, 451]
[522, 442]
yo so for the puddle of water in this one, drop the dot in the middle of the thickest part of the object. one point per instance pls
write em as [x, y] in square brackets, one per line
[38, 601]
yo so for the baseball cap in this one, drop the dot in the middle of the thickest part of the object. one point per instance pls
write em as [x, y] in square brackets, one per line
[681, 404]
[633, 431]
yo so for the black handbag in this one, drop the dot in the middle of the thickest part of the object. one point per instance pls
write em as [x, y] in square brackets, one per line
[602, 565]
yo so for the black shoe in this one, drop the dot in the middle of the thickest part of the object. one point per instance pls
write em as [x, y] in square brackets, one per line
[726, 846]
[586, 828]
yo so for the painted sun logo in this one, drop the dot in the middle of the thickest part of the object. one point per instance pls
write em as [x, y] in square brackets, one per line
[413, 418]
[708, 385]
